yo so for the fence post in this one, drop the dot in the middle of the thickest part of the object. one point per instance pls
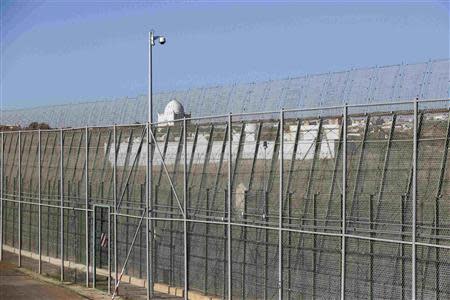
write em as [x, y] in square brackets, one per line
[371, 227]
[225, 243]
[86, 225]
[205, 275]
[20, 202]
[230, 156]
[149, 234]
[314, 256]
[414, 204]
[2, 161]
[94, 260]
[61, 192]
[40, 203]
[288, 261]
[185, 236]
[244, 236]
[109, 248]
[280, 211]
[344, 198]
[116, 149]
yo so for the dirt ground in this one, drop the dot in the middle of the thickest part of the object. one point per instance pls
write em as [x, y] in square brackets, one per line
[15, 284]
[25, 283]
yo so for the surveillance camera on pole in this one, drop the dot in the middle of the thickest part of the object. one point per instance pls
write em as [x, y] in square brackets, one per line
[153, 38]
[152, 41]
[149, 225]
[161, 40]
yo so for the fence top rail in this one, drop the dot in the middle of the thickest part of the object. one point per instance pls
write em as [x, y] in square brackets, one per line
[218, 116]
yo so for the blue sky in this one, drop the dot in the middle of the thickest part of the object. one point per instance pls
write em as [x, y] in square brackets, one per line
[55, 52]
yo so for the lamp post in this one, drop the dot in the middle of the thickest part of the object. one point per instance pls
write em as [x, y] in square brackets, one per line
[149, 224]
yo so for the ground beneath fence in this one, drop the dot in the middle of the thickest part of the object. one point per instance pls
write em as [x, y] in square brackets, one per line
[26, 283]
[15, 284]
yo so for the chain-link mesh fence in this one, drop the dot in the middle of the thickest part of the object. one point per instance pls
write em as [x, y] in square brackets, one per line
[253, 203]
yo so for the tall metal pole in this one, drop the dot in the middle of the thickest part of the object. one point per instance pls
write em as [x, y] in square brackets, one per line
[149, 223]
[149, 231]
[185, 236]
[94, 261]
[1, 196]
[230, 155]
[20, 201]
[109, 249]
[344, 198]
[414, 204]
[150, 77]
[280, 210]
[86, 205]
[116, 277]
[40, 202]
[61, 212]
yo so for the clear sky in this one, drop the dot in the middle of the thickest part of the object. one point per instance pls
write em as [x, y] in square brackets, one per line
[58, 51]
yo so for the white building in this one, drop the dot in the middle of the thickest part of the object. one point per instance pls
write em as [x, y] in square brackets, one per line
[174, 111]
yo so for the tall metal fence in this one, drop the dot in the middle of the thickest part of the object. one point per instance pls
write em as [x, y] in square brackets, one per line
[428, 80]
[244, 206]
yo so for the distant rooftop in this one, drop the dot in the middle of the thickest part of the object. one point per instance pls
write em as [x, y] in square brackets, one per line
[429, 80]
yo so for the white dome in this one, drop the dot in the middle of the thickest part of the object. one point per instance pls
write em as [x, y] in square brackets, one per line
[174, 107]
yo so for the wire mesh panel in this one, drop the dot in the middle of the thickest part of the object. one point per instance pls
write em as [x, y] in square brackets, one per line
[10, 190]
[168, 169]
[313, 170]
[207, 259]
[433, 273]
[51, 197]
[74, 163]
[377, 270]
[369, 170]
[169, 253]
[432, 204]
[379, 175]
[74, 156]
[101, 159]
[311, 266]
[379, 183]
[131, 167]
[428, 80]
[255, 170]
[129, 164]
[254, 263]
[29, 212]
[208, 180]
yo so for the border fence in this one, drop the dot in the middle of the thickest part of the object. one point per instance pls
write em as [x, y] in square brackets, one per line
[348, 201]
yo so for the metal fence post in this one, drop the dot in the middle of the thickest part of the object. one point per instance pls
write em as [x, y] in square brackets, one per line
[185, 236]
[2, 161]
[205, 276]
[371, 228]
[280, 210]
[61, 212]
[148, 207]
[86, 227]
[230, 155]
[94, 260]
[414, 203]
[116, 149]
[109, 249]
[344, 198]
[40, 203]
[20, 202]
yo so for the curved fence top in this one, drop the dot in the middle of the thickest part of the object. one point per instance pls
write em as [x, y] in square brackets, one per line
[368, 86]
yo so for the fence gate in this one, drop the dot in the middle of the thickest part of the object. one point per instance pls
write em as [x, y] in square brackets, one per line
[101, 250]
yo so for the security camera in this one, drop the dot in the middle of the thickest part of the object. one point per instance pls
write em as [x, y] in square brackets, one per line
[162, 40]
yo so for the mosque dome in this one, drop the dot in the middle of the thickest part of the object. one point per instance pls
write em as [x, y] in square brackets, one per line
[174, 107]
